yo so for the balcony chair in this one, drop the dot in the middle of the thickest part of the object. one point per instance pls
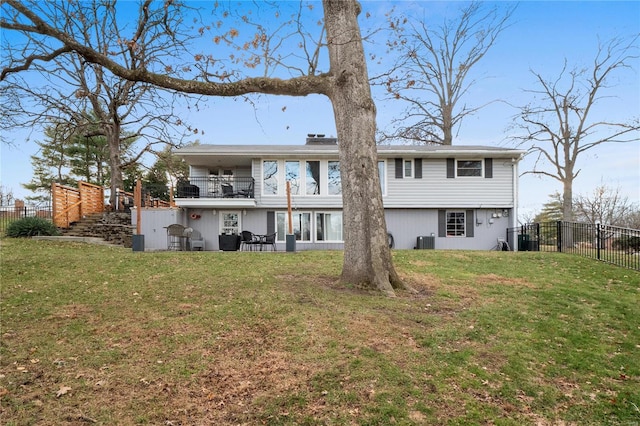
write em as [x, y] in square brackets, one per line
[227, 191]
[246, 193]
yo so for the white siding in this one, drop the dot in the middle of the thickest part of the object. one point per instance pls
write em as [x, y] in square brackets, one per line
[407, 224]
[435, 190]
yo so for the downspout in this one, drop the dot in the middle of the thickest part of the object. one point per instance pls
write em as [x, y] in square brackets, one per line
[514, 177]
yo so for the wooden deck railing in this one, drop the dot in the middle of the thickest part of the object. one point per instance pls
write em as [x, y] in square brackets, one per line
[69, 204]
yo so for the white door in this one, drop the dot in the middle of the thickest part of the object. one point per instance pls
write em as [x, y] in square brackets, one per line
[230, 223]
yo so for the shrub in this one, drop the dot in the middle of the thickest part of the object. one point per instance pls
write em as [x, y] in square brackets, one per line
[627, 242]
[30, 226]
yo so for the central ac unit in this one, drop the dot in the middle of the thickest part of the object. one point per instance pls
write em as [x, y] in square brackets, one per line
[425, 242]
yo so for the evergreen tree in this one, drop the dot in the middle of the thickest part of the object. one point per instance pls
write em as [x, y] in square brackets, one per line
[551, 210]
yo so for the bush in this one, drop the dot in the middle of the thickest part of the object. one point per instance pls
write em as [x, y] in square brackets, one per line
[30, 226]
[627, 242]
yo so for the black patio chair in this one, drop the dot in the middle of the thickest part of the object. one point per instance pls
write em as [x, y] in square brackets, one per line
[269, 240]
[227, 191]
[247, 193]
[248, 240]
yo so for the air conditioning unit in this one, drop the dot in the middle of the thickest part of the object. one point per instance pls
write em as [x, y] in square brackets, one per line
[425, 242]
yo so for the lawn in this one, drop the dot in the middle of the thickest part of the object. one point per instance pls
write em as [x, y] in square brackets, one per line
[103, 335]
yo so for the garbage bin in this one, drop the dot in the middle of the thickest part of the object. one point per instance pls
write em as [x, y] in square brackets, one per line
[523, 242]
[291, 242]
[137, 242]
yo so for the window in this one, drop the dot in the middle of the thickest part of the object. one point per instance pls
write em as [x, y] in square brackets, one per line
[301, 226]
[456, 224]
[469, 168]
[408, 167]
[292, 171]
[313, 178]
[329, 226]
[333, 178]
[382, 175]
[229, 223]
[270, 177]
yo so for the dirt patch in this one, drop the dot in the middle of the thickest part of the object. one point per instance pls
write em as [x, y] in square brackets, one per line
[72, 311]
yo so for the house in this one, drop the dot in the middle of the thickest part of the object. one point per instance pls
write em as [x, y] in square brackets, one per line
[443, 197]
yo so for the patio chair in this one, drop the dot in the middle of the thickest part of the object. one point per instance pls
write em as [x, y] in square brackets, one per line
[175, 237]
[247, 193]
[196, 241]
[227, 191]
[269, 240]
[248, 239]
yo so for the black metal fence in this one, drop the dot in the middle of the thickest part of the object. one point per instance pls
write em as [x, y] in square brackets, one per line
[10, 213]
[612, 244]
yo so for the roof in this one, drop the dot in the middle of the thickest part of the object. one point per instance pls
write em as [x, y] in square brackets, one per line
[197, 154]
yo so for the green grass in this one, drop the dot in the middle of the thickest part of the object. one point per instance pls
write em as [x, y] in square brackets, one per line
[270, 338]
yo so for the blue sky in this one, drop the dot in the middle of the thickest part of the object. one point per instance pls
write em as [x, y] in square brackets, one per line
[542, 35]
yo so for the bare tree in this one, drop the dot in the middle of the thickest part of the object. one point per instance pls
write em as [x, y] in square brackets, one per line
[558, 126]
[606, 206]
[432, 74]
[43, 85]
[367, 257]
[6, 196]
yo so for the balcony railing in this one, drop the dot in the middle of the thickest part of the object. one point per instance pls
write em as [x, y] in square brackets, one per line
[216, 187]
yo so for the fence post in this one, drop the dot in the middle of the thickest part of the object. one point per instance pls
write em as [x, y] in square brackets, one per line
[559, 235]
[598, 236]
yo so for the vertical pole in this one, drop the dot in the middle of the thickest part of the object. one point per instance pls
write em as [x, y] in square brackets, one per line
[559, 235]
[598, 236]
[289, 215]
[137, 197]
[290, 239]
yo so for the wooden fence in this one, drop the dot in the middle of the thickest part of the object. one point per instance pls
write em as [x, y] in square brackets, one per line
[71, 204]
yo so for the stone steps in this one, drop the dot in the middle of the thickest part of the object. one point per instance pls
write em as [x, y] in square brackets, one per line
[113, 228]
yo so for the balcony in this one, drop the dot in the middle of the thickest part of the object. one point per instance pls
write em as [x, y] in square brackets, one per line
[215, 191]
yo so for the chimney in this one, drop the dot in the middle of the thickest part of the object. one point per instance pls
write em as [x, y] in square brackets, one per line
[320, 139]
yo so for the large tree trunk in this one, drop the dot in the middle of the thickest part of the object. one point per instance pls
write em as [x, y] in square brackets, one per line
[447, 125]
[367, 257]
[567, 199]
[115, 161]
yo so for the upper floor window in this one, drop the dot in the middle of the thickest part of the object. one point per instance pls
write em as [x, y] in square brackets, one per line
[292, 171]
[270, 177]
[333, 178]
[313, 178]
[408, 168]
[382, 175]
[469, 168]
